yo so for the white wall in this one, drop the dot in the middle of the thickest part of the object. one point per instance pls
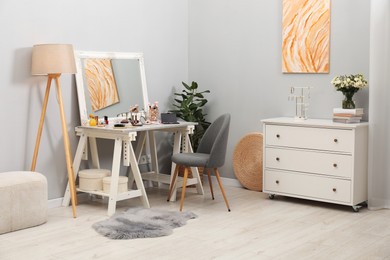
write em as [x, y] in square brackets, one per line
[235, 51]
[157, 28]
[379, 141]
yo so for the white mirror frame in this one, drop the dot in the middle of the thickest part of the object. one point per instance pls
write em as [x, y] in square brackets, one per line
[79, 55]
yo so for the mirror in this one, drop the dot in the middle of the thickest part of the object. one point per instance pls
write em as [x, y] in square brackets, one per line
[109, 83]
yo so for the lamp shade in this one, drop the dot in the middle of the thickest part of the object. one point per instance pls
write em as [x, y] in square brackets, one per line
[53, 59]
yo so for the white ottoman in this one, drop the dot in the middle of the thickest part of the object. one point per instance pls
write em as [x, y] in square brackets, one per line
[23, 200]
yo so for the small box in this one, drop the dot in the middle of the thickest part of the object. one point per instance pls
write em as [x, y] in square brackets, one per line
[122, 184]
[92, 179]
[168, 118]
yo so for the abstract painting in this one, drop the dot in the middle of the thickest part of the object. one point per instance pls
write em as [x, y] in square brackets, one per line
[306, 33]
[100, 81]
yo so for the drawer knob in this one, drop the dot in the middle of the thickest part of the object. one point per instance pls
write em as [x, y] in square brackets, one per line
[277, 159]
[277, 182]
[277, 136]
[335, 165]
[334, 189]
[335, 140]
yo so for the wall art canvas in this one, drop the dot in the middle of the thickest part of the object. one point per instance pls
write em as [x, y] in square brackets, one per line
[100, 81]
[306, 36]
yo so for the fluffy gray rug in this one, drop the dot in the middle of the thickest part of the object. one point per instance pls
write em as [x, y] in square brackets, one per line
[142, 223]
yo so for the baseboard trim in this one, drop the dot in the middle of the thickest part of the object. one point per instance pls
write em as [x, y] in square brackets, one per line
[56, 203]
[225, 181]
[232, 182]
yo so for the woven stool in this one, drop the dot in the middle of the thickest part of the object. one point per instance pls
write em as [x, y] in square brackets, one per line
[23, 200]
[248, 161]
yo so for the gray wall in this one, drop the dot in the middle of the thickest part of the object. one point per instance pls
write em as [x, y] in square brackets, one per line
[235, 51]
[159, 29]
[231, 47]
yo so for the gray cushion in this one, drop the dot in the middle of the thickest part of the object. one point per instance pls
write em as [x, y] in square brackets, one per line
[191, 159]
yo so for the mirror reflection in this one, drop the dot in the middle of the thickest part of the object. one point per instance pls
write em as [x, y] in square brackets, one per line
[109, 84]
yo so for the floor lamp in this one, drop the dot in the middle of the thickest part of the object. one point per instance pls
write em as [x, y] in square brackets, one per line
[53, 60]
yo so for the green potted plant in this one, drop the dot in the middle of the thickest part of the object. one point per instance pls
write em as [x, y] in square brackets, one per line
[189, 105]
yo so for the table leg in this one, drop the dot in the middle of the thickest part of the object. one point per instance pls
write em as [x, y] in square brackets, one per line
[138, 149]
[138, 178]
[176, 149]
[153, 153]
[116, 162]
[94, 153]
[194, 170]
[140, 144]
[76, 165]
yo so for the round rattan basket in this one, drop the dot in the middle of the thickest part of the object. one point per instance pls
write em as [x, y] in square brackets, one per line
[248, 161]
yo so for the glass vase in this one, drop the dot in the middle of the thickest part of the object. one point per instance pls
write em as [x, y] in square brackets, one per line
[348, 103]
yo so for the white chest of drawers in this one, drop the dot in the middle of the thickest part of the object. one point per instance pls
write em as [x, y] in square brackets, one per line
[316, 159]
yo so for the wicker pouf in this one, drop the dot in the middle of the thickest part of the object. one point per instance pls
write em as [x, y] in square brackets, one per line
[23, 200]
[248, 161]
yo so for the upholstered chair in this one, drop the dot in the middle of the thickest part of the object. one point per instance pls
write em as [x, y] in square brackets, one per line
[210, 154]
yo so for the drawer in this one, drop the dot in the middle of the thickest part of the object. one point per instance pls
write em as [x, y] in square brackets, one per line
[310, 137]
[306, 185]
[309, 161]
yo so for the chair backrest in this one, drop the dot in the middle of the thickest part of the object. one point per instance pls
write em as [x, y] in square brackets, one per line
[214, 141]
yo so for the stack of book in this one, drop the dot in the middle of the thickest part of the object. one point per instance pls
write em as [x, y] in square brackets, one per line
[341, 115]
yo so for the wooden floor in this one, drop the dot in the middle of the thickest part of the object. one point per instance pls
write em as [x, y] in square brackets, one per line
[256, 228]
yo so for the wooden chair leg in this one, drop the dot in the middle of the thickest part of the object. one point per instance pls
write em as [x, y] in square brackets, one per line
[173, 182]
[222, 190]
[211, 184]
[183, 190]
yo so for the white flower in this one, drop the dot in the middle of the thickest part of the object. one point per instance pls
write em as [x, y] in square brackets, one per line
[345, 82]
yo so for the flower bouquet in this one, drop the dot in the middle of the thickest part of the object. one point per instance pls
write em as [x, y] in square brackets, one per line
[349, 85]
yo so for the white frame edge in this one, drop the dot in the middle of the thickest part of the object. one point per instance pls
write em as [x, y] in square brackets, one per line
[105, 55]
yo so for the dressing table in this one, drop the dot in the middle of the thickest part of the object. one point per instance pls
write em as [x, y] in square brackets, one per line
[130, 157]
[130, 80]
